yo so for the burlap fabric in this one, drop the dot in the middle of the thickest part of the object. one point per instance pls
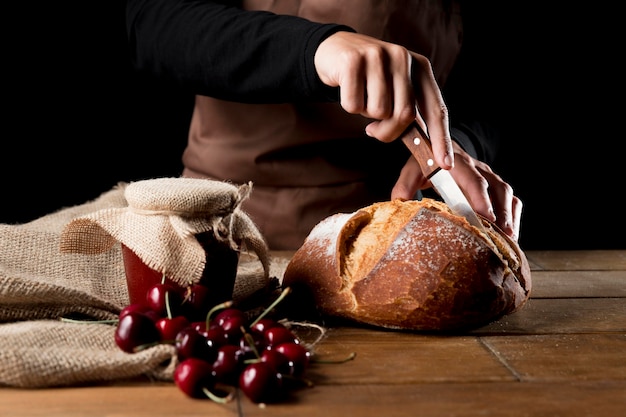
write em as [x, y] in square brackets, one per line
[41, 286]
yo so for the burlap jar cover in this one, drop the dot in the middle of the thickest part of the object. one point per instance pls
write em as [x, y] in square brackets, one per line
[40, 285]
[161, 221]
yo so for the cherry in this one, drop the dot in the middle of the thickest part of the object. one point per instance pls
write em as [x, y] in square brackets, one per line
[199, 326]
[191, 344]
[260, 382]
[169, 327]
[251, 344]
[139, 308]
[279, 334]
[135, 329]
[161, 297]
[261, 326]
[216, 336]
[228, 313]
[279, 362]
[232, 327]
[192, 376]
[217, 347]
[297, 354]
[196, 302]
[227, 364]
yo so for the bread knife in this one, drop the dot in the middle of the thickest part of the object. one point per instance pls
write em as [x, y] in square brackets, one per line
[441, 179]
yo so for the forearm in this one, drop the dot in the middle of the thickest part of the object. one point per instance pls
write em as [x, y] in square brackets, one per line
[225, 52]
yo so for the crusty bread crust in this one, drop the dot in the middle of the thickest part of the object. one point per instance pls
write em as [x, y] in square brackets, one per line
[410, 265]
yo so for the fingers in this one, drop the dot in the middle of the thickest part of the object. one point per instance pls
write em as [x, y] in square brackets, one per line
[421, 100]
[474, 185]
[517, 218]
[399, 89]
[488, 194]
[507, 207]
[432, 110]
[387, 83]
[409, 181]
[373, 80]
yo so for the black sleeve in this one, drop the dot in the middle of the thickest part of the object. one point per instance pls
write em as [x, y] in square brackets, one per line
[223, 51]
[479, 139]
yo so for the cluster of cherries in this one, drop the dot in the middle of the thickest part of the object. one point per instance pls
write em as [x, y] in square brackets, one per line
[219, 348]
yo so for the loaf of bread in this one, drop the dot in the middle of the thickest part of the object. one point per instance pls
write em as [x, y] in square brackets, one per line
[411, 265]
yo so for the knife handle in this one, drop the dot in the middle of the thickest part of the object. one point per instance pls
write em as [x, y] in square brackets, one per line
[421, 149]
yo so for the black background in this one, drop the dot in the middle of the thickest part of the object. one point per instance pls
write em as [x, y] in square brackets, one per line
[77, 120]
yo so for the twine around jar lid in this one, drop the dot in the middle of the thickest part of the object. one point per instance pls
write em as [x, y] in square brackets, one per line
[160, 223]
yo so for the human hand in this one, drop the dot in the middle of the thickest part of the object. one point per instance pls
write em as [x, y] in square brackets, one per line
[487, 192]
[388, 83]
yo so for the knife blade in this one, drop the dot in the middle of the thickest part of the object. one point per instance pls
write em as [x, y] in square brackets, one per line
[441, 179]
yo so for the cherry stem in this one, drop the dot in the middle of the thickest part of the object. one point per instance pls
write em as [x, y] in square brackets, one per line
[327, 361]
[250, 342]
[214, 397]
[252, 360]
[225, 304]
[167, 305]
[282, 295]
[112, 321]
[145, 346]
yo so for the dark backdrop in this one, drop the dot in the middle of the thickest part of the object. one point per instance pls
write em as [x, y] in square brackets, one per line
[77, 119]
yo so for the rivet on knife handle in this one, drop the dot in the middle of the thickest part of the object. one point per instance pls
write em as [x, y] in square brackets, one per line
[421, 150]
[441, 180]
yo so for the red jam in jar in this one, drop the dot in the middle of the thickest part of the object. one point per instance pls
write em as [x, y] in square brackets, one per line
[219, 272]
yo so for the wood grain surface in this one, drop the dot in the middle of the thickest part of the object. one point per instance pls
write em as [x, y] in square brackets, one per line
[562, 354]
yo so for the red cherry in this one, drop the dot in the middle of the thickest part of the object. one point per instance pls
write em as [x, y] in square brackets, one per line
[135, 329]
[279, 362]
[160, 296]
[260, 383]
[232, 327]
[277, 335]
[169, 327]
[260, 326]
[191, 344]
[199, 326]
[216, 336]
[297, 354]
[139, 308]
[227, 313]
[196, 302]
[227, 364]
[251, 342]
[192, 376]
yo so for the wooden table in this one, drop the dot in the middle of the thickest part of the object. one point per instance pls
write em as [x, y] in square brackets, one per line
[563, 354]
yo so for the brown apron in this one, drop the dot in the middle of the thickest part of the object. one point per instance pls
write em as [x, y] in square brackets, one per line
[303, 159]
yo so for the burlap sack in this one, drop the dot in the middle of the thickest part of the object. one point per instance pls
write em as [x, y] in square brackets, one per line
[40, 286]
